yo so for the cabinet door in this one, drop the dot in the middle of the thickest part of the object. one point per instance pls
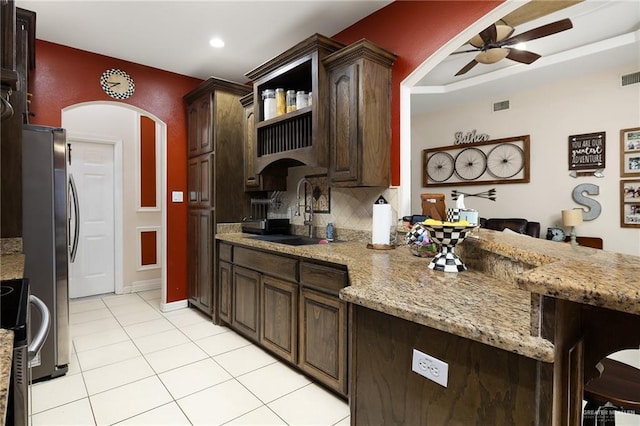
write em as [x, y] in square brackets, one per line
[279, 327]
[251, 178]
[193, 133]
[323, 338]
[193, 257]
[224, 288]
[201, 258]
[193, 182]
[205, 260]
[245, 308]
[207, 171]
[201, 170]
[199, 121]
[343, 124]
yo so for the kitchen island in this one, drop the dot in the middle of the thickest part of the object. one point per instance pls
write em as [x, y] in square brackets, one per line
[512, 327]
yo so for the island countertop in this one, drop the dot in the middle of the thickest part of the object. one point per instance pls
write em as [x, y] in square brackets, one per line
[472, 304]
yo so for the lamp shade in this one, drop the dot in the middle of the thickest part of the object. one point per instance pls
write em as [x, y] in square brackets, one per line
[572, 217]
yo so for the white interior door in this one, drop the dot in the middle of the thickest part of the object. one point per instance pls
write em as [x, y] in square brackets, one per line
[92, 268]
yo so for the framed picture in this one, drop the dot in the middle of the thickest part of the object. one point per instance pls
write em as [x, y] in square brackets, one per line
[630, 152]
[630, 203]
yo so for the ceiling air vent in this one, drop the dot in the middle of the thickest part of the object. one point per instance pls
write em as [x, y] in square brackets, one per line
[628, 79]
[499, 106]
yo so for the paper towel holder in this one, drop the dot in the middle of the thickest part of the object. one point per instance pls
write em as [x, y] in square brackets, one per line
[382, 200]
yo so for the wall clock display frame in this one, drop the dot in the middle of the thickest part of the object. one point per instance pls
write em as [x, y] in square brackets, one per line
[117, 83]
[488, 162]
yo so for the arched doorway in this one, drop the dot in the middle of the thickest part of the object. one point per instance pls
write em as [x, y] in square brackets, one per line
[137, 140]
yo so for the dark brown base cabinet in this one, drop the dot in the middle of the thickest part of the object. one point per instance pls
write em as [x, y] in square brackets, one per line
[225, 279]
[300, 320]
[199, 273]
[245, 302]
[323, 338]
[279, 332]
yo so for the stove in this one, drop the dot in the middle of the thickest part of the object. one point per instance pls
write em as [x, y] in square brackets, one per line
[15, 302]
[14, 305]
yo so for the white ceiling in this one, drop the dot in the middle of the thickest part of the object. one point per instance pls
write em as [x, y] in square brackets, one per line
[605, 35]
[174, 35]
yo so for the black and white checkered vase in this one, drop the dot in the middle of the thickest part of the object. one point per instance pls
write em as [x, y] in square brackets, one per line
[453, 215]
[448, 237]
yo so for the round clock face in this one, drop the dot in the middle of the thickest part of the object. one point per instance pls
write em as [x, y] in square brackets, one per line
[555, 234]
[117, 84]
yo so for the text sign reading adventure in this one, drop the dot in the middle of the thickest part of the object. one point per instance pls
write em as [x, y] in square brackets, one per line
[587, 151]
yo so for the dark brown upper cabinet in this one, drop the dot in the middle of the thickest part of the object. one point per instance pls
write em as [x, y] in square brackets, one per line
[359, 125]
[297, 137]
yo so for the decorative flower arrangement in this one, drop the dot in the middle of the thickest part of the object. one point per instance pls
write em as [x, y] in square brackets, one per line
[419, 242]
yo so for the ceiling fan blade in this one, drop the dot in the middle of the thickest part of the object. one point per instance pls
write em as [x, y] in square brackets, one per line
[465, 51]
[522, 56]
[539, 32]
[467, 67]
[536, 9]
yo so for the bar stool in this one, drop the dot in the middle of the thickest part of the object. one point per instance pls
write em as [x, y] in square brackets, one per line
[617, 389]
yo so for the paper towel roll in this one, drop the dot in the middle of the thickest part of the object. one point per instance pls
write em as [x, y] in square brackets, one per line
[381, 223]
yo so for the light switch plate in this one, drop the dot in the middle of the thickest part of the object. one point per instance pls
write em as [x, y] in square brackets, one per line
[176, 196]
[430, 367]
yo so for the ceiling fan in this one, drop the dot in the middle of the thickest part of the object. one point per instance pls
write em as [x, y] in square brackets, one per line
[496, 43]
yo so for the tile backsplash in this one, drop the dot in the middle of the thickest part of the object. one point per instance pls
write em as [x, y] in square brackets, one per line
[351, 208]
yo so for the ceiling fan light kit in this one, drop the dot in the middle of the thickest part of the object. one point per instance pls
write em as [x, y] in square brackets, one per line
[491, 56]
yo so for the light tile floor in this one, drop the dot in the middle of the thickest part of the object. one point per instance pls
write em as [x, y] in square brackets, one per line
[134, 365]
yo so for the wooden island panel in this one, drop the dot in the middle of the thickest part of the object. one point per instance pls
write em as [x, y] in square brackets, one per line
[489, 385]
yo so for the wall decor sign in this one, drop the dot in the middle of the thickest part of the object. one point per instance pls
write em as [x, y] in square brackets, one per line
[587, 151]
[593, 207]
[470, 137]
[630, 152]
[630, 203]
[321, 193]
[493, 161]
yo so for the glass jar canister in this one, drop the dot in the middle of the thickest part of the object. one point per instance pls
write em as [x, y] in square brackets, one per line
[291, 100]
[301, 100]
[269, 103]
[281, 106]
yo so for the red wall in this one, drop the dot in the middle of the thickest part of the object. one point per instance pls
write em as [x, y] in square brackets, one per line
[413, 30]
[65, 76]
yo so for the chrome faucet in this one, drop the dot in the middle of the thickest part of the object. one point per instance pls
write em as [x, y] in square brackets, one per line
[308, 213]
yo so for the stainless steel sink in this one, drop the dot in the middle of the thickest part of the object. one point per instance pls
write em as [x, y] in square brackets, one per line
[291, 240]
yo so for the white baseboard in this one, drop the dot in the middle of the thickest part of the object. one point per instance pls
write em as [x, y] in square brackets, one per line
[173, 306]
[145, 285]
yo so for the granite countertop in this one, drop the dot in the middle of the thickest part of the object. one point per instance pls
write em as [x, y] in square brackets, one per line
[564, 271]
[11, 258]
[472, 304]
[6, 354]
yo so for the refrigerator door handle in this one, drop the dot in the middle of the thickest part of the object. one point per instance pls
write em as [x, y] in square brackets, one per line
[43, 330]
[76, 212]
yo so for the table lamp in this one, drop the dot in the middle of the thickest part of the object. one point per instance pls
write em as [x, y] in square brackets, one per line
[572, 218]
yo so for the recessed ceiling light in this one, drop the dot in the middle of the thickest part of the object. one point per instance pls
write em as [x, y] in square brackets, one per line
[216, 42]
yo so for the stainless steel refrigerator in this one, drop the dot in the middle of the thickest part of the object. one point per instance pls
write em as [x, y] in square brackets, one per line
[45, 233]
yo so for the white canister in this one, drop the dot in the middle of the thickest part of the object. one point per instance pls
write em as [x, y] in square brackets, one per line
[269, 103]
[302, 99]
